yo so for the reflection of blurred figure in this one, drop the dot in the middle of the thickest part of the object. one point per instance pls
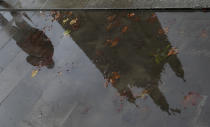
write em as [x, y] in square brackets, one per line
[131, 47]
[31, 40]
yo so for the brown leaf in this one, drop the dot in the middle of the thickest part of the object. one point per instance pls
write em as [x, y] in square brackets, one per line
[163, 31]
[131, 14]
[172, 51]
[73, 21]
[111, 18]
[125, 28]
[109, 26]
[191, 98]
[114, 42]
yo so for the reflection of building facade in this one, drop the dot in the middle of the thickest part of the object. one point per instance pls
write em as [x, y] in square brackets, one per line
[130, 49]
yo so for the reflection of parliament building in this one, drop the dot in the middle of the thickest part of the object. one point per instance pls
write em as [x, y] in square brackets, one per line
[132, 55]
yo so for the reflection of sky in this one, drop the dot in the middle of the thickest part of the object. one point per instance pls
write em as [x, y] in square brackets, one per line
[70, 94]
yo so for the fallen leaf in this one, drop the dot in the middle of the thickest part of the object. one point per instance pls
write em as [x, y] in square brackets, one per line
[65, 20]
[131, 14]
[125, 28]
[109, 26]
[163, 31]
[73, 21]
[34, 73]
[191, 98]
[114, 42]
[111, 18]
[67, 32]
[69, 13]
[172, 51]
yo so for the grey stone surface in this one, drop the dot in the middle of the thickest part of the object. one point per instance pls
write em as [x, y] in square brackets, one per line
[125, 4]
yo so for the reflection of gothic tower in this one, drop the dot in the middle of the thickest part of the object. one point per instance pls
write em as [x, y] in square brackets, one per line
[31, 40]
[130, 46]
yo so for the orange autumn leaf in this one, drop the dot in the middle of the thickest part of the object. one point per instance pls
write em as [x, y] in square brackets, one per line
[172, 51]
[125, 28]
[131, 14]
[114, 42]
[111, 18]
[163, 31]
[109, 26]
[115, 76]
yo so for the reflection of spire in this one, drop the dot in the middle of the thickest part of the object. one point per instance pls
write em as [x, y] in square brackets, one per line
[129, 45]
[32, 41]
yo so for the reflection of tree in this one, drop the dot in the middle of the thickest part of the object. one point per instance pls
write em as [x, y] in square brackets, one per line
[31, 40]
[139, 56]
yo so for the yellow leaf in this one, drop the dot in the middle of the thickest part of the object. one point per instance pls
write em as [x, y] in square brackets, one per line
[34, 73]
[67, 32]
[65, 20]
[73, 21]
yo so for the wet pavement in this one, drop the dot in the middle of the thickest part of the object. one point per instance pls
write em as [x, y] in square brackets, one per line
[132, 4]
[104, 68]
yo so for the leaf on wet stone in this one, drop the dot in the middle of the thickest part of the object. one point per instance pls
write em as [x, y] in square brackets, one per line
[34, 73]
[125, 28]
[109, 26]
[114, 42]
[67, 32]
[172, 51]
[191, 98]
[73, 21]
[111, 18]
[131, 14]
[65, 20]
[163, 31]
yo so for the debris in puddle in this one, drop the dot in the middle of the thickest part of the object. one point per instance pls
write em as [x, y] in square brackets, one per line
[172, 51]
[34, 72]
[65, 20]
[131, 14]
[163, 30]
[125, 28]
[73, 21]
[67, 32]
[191, 98]
[111, 18]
